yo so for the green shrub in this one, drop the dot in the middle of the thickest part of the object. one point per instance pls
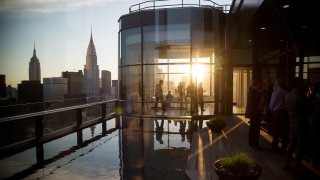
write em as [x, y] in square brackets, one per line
[238, 164]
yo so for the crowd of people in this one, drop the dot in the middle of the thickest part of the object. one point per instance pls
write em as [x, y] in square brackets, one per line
[292, 118]
[192, 94]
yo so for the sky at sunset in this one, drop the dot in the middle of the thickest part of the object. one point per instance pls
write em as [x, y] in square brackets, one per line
[61, 32]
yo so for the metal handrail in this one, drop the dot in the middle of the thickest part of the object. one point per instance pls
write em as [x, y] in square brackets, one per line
[153, 4]
[46, 112]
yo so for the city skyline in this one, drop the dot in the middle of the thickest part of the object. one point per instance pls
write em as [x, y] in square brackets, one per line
[61, 31]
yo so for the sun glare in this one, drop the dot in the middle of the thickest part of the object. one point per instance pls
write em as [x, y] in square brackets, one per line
[197, 72]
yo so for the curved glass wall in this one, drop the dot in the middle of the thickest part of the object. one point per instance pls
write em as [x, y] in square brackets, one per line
[173, 45]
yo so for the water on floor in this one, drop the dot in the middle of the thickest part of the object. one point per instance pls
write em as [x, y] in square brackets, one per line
[142, 149]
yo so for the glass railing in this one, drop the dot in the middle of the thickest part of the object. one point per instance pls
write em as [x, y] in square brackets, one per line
[21, 131]
[159, 4]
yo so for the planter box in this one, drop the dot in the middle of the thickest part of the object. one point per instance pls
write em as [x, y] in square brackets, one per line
[225, 175]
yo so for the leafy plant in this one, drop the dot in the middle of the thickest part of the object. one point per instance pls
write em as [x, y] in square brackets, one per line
[238, 164]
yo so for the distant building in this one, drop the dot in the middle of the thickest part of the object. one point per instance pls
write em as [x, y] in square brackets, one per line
[105, 83]
[30, 92]
[11, 92]
[3, 93]
[75, 82]
[34, 67]
[91, 71]
[115, 89]
[54, 88]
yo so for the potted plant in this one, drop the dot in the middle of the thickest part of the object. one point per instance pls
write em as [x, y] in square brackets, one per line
[217, 123]
[238, 166]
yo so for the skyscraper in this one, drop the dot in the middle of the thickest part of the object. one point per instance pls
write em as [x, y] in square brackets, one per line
[91, 71]
[105, 83]
[3, 93]
[30, 91]
[54, 88]
[75, 82]
[34, 67]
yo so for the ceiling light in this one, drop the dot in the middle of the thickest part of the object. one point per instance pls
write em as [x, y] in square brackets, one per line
[285, 6]
[263, 28]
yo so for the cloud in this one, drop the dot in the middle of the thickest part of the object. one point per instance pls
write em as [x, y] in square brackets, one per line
[35, 7]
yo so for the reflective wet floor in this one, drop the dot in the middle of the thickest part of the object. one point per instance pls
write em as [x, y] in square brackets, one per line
[142, 149]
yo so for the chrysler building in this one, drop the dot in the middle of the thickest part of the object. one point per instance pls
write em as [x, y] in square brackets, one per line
[91, 71]
[34, 67]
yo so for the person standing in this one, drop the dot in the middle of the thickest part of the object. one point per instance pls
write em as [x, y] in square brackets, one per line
[279, 117]
[159, 94]
[169, 99]
[314, 121]
[299, 126]
[200, 96]
[182, 94]
[194, 98]
[253, 111]
[266, 97]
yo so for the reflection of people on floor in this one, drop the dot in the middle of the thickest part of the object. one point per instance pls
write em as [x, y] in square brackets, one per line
[159, 131]
[189, 131]
[182, 130]
[92, 130]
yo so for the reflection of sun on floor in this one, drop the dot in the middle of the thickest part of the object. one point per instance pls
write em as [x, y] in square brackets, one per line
[263, 134]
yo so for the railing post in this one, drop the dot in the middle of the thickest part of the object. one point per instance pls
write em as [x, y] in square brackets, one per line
[117, 104]
[40, 154]
[79, 138]
[104, 113]
[38, 127]
[104, 127]
[79, 117]
[103, 110]
[182, 3]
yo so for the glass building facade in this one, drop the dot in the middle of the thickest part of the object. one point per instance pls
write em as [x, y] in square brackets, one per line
[174, 45]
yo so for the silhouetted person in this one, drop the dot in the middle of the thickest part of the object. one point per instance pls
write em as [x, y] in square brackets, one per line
[159, 94]
[188, 97]
[299, 126]
[192, 92]
[253, 111]
[314, 119]
[266, 97]
[279, 117]
[182, 93]
[200, 96]
[169, 99]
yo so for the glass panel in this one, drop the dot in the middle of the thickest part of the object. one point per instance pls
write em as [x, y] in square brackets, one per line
[131, 46]
[130, 84]
[166, 42]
